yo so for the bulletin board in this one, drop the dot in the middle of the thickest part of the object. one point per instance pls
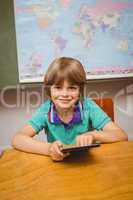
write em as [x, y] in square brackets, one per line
[99, 33]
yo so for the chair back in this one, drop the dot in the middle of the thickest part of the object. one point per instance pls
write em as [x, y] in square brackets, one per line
[107, 105]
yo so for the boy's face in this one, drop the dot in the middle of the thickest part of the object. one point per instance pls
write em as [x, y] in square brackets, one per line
[65, 96]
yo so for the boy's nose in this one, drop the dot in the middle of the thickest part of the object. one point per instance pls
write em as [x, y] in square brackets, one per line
[64, 92]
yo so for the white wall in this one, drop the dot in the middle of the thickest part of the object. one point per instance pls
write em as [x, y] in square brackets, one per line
[17, 106]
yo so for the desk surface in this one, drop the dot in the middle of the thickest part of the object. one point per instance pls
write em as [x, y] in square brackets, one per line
[102, 173]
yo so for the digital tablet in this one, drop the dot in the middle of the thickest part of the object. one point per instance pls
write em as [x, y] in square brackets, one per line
[74, 148]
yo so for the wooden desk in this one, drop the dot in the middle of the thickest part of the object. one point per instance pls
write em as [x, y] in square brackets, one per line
[102, 173]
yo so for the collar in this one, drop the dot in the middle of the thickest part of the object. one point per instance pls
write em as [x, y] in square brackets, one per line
[55, 119]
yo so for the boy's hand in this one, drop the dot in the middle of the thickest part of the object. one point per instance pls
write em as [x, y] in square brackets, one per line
[84, 139]
[55, 151]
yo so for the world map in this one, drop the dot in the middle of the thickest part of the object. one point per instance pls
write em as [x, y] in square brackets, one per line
[97, 32]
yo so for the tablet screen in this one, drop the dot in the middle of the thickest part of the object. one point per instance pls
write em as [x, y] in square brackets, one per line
[72, 148]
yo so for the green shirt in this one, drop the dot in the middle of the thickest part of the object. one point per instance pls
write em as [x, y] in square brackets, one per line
[92, 117]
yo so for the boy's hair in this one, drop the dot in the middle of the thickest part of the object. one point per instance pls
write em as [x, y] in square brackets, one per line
[65, 68]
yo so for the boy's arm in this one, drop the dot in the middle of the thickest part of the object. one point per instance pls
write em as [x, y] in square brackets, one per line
[23, 140]
[110, 133]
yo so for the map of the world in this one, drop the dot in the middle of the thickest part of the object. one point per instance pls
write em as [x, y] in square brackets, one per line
[97, 32]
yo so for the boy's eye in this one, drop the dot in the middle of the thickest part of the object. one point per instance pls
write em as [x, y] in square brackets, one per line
[57, 87]
[73, 87]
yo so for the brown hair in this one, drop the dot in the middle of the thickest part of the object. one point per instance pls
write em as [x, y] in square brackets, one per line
[65, 68]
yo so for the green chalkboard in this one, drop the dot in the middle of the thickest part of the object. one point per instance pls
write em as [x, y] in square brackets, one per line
[8, 54]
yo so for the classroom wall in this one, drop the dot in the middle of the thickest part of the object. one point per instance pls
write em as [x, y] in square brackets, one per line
[19, 103]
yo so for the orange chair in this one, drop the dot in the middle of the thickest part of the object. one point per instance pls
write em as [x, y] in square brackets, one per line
[107, 105]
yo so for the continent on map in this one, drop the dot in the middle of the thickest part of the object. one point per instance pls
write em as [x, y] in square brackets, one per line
[103, 15]
[59, 43]
[65, 3]
[45, 12]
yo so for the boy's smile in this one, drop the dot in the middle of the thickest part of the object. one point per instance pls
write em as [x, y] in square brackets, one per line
[65, 96]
